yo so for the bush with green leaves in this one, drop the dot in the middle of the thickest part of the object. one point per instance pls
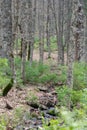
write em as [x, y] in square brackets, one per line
[41, 73]
[49, 78]
[37, 73]
[67, 121]
[17, 115]
[83, 100]
[62, 77]
[5, 72]
[80, 76]
[63, 95]
[66, 95]
[31, 97]
[76, 97]
[34, 72]
[3, 123]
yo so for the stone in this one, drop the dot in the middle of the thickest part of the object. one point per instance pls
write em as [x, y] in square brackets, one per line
[33, 104]
[43, 88]
[53, 112]
[9, 105]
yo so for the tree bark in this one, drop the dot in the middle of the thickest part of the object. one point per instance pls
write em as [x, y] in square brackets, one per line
[60, 33]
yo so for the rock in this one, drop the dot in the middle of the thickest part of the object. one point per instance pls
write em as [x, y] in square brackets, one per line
[48, 100]
[60, 83]
[46, 115]
[42, 107]
[19, 127]
[9, 128]
[33, 104]
[9, 105]
[43, 88]
[35, 113]
[53, 92]
[53, 112]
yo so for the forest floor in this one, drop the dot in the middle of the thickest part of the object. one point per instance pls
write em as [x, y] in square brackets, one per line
[53, 58]
[17, 97]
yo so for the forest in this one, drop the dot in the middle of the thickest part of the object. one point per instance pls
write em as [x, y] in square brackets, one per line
[43, 64]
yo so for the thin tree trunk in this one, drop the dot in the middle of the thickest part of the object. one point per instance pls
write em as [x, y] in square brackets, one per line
[31, 28]
[7, 34]
[79, 32]
[6, 26]
[41, 44]
[24, 35]
[47, 30]
[60, 33]
[1, 49]
[86, 40]
[15, 18]
[67, 15]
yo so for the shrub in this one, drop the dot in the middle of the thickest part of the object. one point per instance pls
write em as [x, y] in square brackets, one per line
[3, 123]
[67, 121]
[76, 97]
[80, 76]
[35, 71]
[47, 78]
[63, 76]
[65, 94]
[5, 72]
[31, 97]
[17, 116]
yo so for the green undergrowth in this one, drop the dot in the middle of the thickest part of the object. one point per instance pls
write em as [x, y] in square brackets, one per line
[3, 122]
[66, 95]
[74, 119]
[8, 123]
[4, 72]
[43, 73]
[67, 120]
[80, 76]
[40, 73]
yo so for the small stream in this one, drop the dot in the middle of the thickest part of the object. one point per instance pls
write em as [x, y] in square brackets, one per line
[38, 114]
[35, 122]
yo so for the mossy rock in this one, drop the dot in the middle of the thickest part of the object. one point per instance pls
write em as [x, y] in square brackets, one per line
[52, 112]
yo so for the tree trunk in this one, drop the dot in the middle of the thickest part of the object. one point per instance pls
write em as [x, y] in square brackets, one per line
[41, 24]
[24, 35]
[31, 28]
[67, 20]
[7, 27]
[79, 32]
[1, 49]
[47, 29]
[15, 18]
[7, 34]
[60, 33]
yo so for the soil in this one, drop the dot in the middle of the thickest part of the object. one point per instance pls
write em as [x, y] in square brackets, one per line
[53, 58]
